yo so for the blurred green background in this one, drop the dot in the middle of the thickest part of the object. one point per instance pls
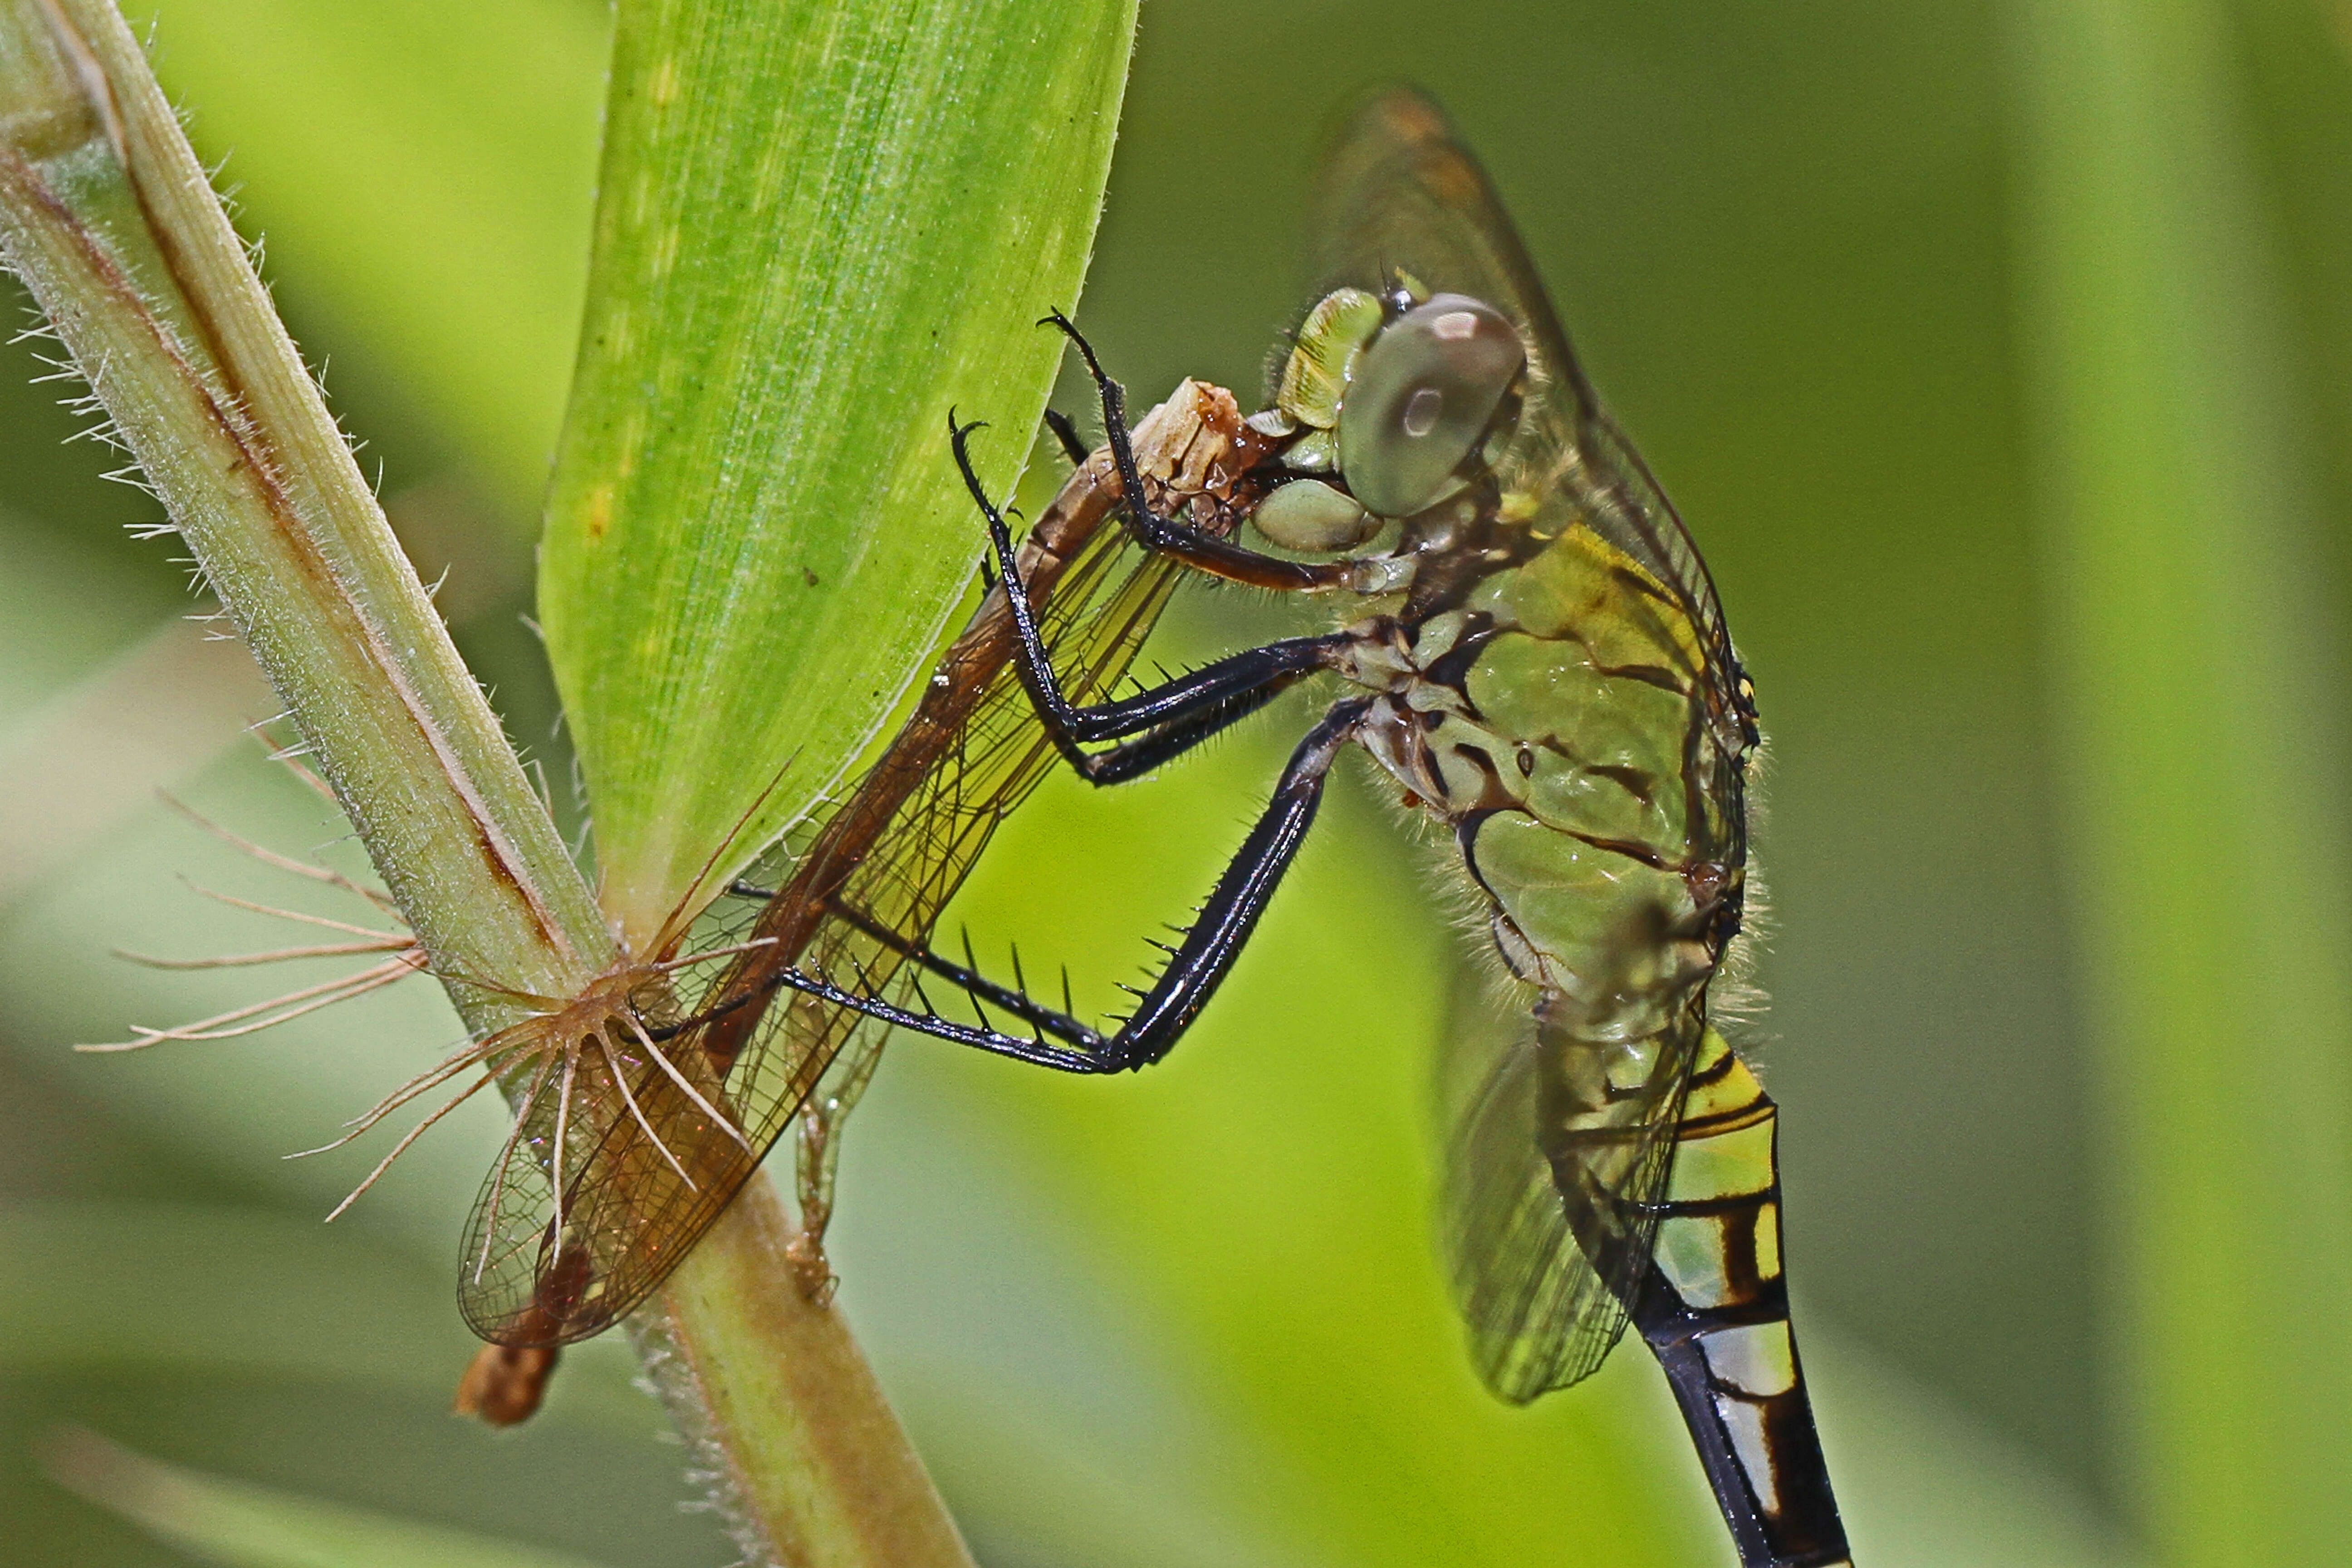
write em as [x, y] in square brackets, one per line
[1193, 1318]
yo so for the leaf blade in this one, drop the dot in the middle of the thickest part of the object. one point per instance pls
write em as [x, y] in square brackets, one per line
[2203, 758]
[813, 239]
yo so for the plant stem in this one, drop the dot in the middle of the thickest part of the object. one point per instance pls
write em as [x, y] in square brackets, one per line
[106, 213]
[802, 1454]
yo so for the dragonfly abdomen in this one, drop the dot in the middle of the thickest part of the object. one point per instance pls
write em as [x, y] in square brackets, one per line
[1714, 1306]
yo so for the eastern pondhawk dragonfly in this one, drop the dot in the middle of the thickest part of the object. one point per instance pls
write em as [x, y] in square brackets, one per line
[1535, 653]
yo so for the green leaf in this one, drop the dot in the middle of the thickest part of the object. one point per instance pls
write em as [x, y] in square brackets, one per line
[246, 1526]
[816, 234]
[2203, 739]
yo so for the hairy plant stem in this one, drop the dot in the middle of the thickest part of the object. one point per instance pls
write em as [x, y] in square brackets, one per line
[106, 213]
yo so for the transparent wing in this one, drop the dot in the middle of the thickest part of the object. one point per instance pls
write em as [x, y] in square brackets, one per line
[1553, 1193]
[559, 1249]
[1401, 196]
[621, 1134]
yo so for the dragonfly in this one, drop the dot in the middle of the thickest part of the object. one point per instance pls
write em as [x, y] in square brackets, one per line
[628, 1147]
[1532, 650]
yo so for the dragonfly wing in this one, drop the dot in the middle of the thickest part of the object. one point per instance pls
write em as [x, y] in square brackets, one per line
[649, 1138]
[891, 900]
[1552, 1211]
[1401, 198]
[1537, 1314]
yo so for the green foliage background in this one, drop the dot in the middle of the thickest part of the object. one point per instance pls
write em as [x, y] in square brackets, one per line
[1194, 1318]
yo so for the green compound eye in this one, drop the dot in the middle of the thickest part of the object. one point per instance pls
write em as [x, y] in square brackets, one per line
[1315, 377]
[1309, 515]
[1419, 398]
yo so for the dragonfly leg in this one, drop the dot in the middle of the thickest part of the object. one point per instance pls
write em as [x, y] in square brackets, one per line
[1166, 534]
[1061, 1023]
[817, 1160]
[1074, 450]
[1195, 967]
[1074, 445]
[1167, 720]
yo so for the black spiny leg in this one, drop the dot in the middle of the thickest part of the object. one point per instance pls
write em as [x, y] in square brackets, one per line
[1060, 1022]
[1074, 447]
[1167, 720]
[1195, 969]
[1074, 450]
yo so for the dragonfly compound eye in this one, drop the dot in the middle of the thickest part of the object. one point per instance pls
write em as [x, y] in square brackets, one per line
[1309, 515]
[1419, 399]
[1331, 340]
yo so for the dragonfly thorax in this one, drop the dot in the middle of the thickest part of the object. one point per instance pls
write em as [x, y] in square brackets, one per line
[1570, 747]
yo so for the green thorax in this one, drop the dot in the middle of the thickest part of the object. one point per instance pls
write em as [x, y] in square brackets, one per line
[1558, 718]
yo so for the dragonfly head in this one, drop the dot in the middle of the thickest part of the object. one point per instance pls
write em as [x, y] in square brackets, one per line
[1403, 400]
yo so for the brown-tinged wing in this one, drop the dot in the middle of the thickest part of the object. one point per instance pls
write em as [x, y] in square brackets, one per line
[538, 1271]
